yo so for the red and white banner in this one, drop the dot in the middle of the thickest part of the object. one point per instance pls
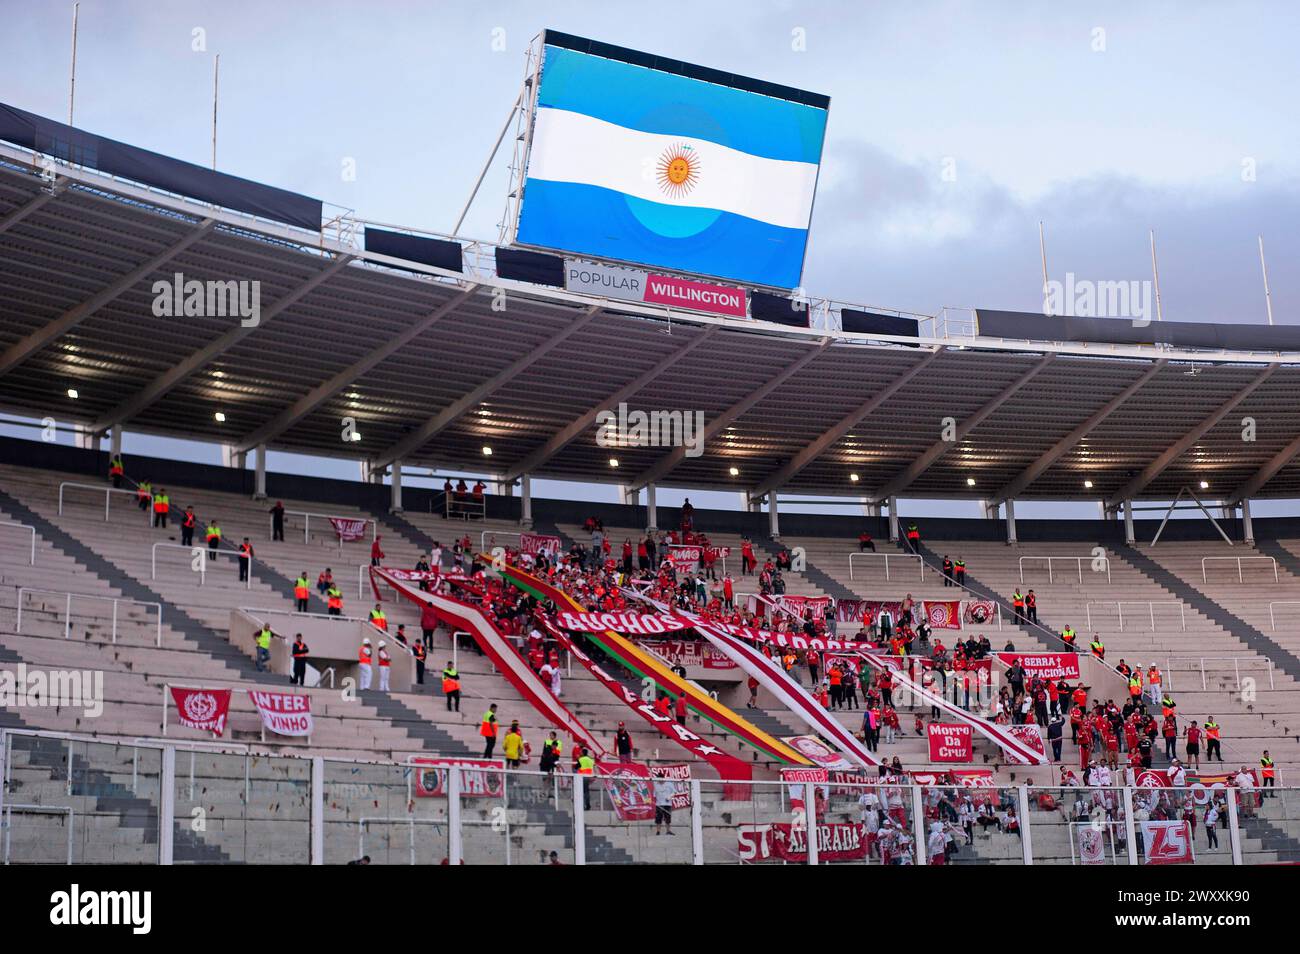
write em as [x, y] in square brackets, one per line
[283, 713]
[783, 842]
[687, 557]
[660, 624]
[951, 743]
[502, 653]
[1020, 748]
[629, 789]
[972, 778]
[1167, 843]
[697, 296]
[852, 611]
[1031, 738]
[1149, 779]
[202, 709]
[818, 752]
[679, 776]
[942, 614]
[535, 543]
[980, 612]
[799, 605]
[1052, 666]
[349, 530]
[479, 778]
[1091, 841]
[688, 653]
[728, 766]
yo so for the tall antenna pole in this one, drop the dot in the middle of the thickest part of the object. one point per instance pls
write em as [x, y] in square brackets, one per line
[72, 77]
[1155, 272]
[216, 77]
[1268, 299]
[1042, 252]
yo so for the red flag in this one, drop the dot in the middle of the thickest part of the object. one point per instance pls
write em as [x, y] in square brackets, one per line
[203, 709]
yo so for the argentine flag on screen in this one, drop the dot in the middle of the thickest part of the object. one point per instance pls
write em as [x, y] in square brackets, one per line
[643, 166]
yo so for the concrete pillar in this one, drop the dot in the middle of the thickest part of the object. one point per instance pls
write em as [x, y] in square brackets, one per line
[651, 512]
[893, 520]
[1103, 513]
[870, 509]
[1128, 523]
[396, 486]
[115, 442]
[232, 458]
[773, 520]
[259, 485]
[1011, 521]
[526, 496]
[1246, 526]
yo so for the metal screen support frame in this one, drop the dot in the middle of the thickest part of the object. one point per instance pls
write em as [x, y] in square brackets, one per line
[167, 806]
[1208, 516]
[1130, 828]
[697, 824]
[317, 810]
[455, 849]
[579, 820]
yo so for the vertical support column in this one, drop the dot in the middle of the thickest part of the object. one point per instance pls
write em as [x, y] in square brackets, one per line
[773, 519]
[809, 807]
[1128, 522]
[167, 805]
[697, 824]
[651, 512]
[1234, 826]
[396, 486]
[1130, 829]
[455, 850]
[1011, 521]
[1248, 529]
[526, 498]
[1026, 835]
[893, 520]
[259, 484]
[317, 810]
[579, 821]
[920, 854]
[115, 441]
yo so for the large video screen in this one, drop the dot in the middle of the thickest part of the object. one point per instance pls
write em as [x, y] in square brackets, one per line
[654, 165]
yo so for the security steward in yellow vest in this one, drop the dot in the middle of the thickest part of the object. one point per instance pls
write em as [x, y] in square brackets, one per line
[263, 639]
[489, 730]
[162, 505]
[334, 600]
[143, 494]
[213, 535]
[116, 471]
[301, 592]
[586, 768]
[1213, 746]
[1269, 771]
[451, 687]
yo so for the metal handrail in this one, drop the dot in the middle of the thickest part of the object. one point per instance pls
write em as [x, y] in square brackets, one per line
[1271, 618]
[1259, 661]
[67, 622]
[1240, 577]
[108, 495]
[1078, 560]
[886, 556]
[1150, 604]
[30, 529]
[207, 554]
[306, 524]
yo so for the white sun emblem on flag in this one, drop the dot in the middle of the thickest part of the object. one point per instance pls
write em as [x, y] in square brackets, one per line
[678, 170]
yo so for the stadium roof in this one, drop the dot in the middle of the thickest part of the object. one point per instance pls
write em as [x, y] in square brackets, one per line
[435, 365]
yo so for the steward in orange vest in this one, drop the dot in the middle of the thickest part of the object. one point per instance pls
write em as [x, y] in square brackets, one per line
[451, 687]
[489, 730]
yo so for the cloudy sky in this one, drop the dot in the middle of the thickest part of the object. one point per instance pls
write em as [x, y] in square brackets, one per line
[954, 127]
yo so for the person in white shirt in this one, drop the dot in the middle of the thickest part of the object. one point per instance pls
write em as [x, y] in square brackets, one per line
[1177, 774]
[937, 844]
[1211, 825]
[664, 790]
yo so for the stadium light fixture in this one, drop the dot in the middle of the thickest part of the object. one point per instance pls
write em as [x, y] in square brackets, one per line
[1087, 484]
[853, 477]
[487, 451]
[1205, 485]
[734, 471]
[221, 417]
[970, 481]
[72, 393]
[613, 462]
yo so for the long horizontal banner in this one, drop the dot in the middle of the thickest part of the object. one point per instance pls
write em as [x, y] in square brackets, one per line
[658, 624]
[535, 543]
[633, 284]
[284, 713]
[479, 778]
[687, 653]
[788, 842]
[1052, 666]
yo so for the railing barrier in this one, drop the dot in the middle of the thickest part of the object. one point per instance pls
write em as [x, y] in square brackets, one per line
[67, 612]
